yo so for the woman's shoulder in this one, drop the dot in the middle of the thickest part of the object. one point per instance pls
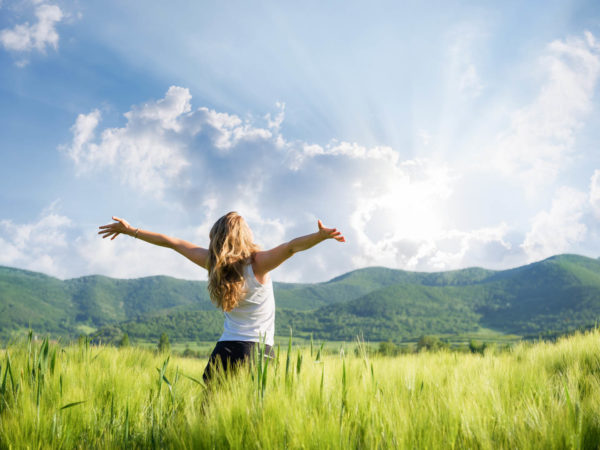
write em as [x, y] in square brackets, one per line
[250, 271]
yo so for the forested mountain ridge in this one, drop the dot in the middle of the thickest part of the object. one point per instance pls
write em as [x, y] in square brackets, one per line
[556, 294]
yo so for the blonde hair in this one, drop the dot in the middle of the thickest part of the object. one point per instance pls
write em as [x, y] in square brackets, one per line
[231, 248]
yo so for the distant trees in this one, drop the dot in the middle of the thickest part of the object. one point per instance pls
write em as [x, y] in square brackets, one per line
[431, 343]
[477, 347]
[164, 346]
[388, 348]
[110, 334]
[189, 353]
[180, 326]
[124, 342]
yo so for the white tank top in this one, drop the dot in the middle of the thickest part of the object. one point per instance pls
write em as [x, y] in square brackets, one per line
[253, 319]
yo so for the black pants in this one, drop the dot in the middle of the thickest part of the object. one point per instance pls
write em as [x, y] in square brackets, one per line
[228, 355]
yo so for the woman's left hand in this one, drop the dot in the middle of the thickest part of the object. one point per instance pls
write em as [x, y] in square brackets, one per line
[114, 229]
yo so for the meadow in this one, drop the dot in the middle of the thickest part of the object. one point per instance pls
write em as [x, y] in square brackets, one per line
[540, 395]
[458, 342]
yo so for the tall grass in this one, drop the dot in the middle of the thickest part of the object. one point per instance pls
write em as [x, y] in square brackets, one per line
[81, 396]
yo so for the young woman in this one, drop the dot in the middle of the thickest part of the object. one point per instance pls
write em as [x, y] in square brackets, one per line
[238, 280]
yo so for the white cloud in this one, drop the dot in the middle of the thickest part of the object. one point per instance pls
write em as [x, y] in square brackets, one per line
[541, 137]
[298, 153]
[83, 132]
[215, 159]
[156, 144]
[393, 211]
[595, 193]
[274, 123]
[145, 153]
[400, 223]
[229, 130]
[37, 245]
[38, 36]
[559, 229]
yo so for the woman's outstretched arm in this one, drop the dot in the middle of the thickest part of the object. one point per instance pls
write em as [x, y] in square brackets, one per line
[268, 260]
[191, 251]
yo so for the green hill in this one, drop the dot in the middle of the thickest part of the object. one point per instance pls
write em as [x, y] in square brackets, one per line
[30, 298]
[558, 294]
[100, 300]
[396, 312]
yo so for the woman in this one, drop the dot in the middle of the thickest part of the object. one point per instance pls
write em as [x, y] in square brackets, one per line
[238, 280]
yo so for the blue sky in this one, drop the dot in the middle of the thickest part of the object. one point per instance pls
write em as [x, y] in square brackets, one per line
[435, 135]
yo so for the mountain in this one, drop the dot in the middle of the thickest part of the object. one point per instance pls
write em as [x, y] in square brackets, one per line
[33, 298]
[557, 294]
[560, 293]
[363, 281]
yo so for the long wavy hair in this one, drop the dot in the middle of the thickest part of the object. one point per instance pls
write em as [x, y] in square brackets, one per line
[231, 248]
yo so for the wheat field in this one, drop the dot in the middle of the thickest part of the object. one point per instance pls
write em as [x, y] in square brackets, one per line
[542, 395]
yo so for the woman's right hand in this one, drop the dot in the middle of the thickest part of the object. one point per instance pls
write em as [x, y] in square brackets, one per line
[330, 233]
[112, 230]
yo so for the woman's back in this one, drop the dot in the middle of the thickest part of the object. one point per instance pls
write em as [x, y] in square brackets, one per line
[253, 318]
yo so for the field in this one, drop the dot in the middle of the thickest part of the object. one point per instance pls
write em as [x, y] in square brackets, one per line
[455, 341]
[542, 395]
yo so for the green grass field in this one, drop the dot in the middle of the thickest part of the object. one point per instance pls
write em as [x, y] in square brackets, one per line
[534, 396]
[483, 335]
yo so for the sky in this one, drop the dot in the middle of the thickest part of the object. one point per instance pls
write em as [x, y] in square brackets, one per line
[434, 135]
